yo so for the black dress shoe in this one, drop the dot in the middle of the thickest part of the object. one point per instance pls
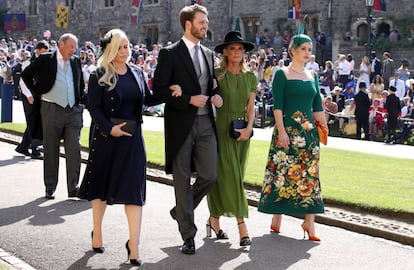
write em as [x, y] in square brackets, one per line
[23, 152]
[50, 194]
[188, 246]
[74, 193]
[36, 155]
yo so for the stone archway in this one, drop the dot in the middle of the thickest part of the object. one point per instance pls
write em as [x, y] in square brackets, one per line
[379, 26]
[383, 30]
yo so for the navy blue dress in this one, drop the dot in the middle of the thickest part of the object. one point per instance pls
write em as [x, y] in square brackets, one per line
[116, 170]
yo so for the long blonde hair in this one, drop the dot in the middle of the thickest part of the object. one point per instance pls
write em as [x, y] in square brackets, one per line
[224, 67]
[110, 48]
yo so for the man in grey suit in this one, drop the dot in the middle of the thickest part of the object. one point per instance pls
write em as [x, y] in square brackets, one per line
[190, 134]
[57, 84]
[388, 69]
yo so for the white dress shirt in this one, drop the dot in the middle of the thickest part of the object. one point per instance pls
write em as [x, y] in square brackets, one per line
[400, 86]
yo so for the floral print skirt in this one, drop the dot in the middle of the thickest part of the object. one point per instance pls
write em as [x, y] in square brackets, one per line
[291, 183]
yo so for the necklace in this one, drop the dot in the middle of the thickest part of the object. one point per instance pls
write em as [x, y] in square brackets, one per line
[300, 72]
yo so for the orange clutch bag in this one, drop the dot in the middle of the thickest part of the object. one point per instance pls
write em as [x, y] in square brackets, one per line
[322, 132]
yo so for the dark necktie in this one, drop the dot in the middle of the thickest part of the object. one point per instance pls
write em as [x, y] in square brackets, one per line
[196, 61]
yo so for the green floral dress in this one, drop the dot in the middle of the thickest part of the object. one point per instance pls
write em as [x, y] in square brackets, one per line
[291, 182]
[227, 196]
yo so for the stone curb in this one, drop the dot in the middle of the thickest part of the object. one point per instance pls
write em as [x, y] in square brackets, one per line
[345, 219]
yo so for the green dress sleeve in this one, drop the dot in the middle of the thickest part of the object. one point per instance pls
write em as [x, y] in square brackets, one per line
[278, 90]
[317, 100]
[252, 79]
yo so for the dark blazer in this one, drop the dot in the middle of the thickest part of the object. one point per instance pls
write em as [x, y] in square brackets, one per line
[393, 106]
[40, 76]
[175, 66]
[377, 68]
[104, 104]
[362, 105]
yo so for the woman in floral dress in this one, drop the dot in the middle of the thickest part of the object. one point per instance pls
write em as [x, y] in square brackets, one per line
[291, 183]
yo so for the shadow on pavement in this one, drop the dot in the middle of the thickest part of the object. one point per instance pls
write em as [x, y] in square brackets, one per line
[14, 160]
[42, 215]
[274, 251]
[82, 263]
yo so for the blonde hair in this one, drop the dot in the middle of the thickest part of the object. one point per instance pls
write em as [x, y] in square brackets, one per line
[112, 39]
[224, 67]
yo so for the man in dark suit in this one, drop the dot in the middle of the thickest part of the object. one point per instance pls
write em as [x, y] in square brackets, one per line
[392, 109]
[29, 106]
[190, 136]
[362, 104]
[57, 83]
[376, 66]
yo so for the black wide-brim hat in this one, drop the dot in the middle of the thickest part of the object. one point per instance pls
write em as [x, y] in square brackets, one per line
[234, 37]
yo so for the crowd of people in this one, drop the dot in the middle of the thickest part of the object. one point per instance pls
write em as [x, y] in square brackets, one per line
[364, 111]
[204, 94]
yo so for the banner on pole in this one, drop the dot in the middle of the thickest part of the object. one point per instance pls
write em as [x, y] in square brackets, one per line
[15, 22]
[62, 17]
[379, 5]
[294, 9]
[136, 8]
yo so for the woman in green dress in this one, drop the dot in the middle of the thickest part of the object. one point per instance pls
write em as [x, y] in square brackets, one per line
[238, 85]
[291, 182]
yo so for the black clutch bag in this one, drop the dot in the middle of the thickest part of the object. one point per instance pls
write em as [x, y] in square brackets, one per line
[237, 124]
[130, 126]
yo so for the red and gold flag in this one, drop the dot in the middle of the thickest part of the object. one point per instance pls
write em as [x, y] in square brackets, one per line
[136, 8]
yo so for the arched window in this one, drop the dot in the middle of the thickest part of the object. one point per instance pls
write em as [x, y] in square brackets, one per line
[383, 30]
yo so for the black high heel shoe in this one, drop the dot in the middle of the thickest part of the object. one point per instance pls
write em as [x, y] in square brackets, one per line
[135, 262]
[245, 240]
[220, 234]
[97, 249]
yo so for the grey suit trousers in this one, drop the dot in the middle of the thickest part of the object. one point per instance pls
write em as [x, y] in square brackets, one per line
[61, 123]
[201, 148]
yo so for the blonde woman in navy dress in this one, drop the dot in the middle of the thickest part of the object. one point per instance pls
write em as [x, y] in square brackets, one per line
[116, 170]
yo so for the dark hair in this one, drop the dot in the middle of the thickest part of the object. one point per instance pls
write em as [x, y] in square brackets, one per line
[43, 44]
[187, 13]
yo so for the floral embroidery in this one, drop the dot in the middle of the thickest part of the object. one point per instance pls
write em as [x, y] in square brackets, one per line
[293, 174]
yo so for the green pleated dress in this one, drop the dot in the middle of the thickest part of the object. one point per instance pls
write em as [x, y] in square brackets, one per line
[227, 196]
[291, 183]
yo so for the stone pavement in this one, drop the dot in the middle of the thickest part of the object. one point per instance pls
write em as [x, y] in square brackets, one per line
[55, 234]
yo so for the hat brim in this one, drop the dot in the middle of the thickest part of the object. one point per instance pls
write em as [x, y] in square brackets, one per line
[248, 46]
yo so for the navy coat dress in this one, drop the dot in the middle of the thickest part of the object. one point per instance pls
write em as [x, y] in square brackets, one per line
[116, 170]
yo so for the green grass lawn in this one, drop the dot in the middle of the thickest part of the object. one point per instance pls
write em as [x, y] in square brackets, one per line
[365, 180]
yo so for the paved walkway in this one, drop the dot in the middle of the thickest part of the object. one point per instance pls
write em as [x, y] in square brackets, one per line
[55, 234]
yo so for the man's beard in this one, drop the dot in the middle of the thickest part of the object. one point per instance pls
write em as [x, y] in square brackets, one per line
[197, 33]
